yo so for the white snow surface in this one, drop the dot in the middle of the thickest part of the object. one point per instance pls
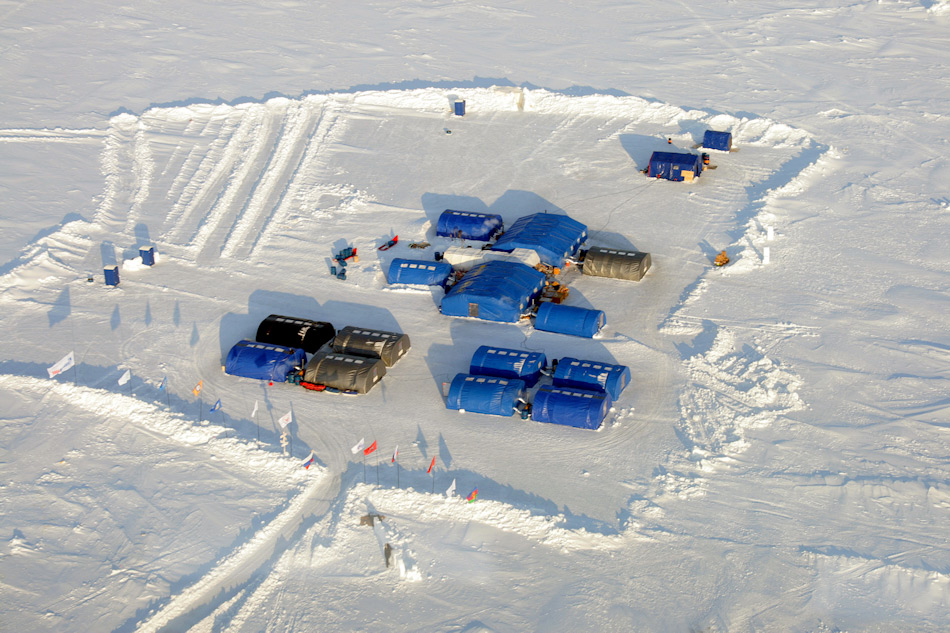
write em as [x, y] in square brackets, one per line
[780, 462]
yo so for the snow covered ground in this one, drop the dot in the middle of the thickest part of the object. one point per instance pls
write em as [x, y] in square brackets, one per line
[781, 461]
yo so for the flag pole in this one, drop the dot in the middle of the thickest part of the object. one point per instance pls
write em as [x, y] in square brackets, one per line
[199, 409]
[377, 468]
[397, 475]
[364, 468]
[168, 403]
[130, 386]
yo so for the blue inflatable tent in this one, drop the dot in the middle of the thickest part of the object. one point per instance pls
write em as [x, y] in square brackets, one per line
[717, 140]
[414, 271]
[588, 374]
[496, 291]
[570, 407]
[553, 237]
[675, 166]
[508, 363]
[469, 225]
[263, 361]
[555, 317]
[485, 394]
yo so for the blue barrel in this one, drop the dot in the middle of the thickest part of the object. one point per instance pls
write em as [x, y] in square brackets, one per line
[588, 374]
[508, 363]
[570, 407]
[112, 275]
[147, 253]
[460, 107]
[485, 394]
[554, 317]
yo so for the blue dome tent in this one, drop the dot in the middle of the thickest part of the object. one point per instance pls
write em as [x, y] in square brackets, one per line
[570, 407]
[496, 291]
[675, 166]
[553, 237]
[469, 225]
[562, 319]
[414, 271]
[263, 361]
[485, 394]
[717, 140]
[588, 374]
[508, 363]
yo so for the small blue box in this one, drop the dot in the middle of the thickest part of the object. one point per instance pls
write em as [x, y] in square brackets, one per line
[148, 255]
[460, 107]
[112, 275]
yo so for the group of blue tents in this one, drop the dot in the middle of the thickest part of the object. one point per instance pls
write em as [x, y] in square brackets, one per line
[680, 166]
[501, 381]
[500, 289]
[351, 360]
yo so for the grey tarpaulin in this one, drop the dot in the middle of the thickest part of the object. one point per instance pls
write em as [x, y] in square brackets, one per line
[389, 346]
[616, 263]
[341, 371]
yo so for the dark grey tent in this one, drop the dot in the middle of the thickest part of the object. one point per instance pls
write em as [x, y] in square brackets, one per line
[293, 332]
[344, 372]
[389, 346]
[616, 263]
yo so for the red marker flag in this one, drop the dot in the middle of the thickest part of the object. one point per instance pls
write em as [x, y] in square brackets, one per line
[395, 455]
[369, 449]
[472, 495]
[431, 466]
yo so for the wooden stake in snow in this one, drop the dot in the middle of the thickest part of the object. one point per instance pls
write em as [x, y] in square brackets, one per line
[766, 255]
[770, 233]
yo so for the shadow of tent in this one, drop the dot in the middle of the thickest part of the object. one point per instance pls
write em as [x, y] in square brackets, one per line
[434, 204]
[261, 304]
[610, 239]
[640, 147]
[516, 203]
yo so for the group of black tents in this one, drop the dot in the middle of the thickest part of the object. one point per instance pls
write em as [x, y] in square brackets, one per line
[351, 360]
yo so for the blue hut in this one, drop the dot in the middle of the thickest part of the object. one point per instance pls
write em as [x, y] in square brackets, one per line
[469, 225]
[496, 291]
[553, 237]
[570, 407]
[562, 319]
[588, 374]
[717, 140]
[414, 271]
[508, 363]
[675, 166]
[263, 361]
[485, 394]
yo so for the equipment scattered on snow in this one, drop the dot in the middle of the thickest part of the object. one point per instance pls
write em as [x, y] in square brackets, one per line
[263, 361]
[721, 259]
[616, 263]
[570, 407]
[573, 320]
[293, 332]
[387, 346]
[388, 245]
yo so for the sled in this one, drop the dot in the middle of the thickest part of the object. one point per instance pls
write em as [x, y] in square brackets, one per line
[388, 245]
